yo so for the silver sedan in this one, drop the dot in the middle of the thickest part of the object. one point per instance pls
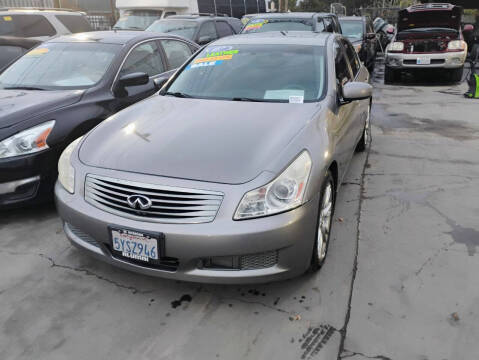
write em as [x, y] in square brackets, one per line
[230, 173]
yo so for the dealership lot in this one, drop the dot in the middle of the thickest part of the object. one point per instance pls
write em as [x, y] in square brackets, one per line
[404, 240]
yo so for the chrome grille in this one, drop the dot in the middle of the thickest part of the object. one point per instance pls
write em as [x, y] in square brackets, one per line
[259, 261]
[169, 204]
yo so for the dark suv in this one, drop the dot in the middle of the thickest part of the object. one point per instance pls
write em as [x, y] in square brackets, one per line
[360, 31]
[294, 21]
[200, 28]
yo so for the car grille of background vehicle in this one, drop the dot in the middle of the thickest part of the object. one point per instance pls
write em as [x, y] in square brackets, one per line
[169, 204]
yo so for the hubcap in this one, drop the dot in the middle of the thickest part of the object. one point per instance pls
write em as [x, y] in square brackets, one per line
[324, 226]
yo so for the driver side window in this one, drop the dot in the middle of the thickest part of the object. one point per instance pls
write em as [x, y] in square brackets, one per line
[343, 72]
[208, 30]
[145, 58]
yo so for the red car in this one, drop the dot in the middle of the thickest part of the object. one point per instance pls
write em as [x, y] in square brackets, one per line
[428, 36]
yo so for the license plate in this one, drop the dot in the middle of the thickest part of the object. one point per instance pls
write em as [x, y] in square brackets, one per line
[424, 61]
[135, 245]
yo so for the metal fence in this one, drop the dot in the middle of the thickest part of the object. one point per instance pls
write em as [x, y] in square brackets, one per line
[26, 3]
[100, 22]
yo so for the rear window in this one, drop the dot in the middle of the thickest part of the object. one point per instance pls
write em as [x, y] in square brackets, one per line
[74, 23]
[25, 26]
[263, 25]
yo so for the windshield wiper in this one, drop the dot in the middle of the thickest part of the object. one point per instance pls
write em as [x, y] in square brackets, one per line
[178, 94]
[246, 99]
[23, 88]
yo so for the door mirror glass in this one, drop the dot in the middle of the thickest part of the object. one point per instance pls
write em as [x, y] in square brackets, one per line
[134, 79]
[357, 91]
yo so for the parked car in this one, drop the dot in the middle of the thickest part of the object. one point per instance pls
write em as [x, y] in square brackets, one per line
[12, 48]
[359, 30]
[230, 174]
[41, 24]
[294, 21]
[63, 88]
[202, 29]
[428, 36]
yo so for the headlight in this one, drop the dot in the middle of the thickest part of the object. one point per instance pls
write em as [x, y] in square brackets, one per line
[457, 45]
[397, 46]
[66, 172]
[27, 142]
[284, 193]
[358, 47]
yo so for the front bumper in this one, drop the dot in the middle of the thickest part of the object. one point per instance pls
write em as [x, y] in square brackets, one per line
[446, 60]
[289, 235]
[27, 179]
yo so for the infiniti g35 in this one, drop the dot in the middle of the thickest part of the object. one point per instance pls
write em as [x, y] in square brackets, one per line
[230, 174]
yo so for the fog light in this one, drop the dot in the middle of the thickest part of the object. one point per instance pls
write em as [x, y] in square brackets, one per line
[221, 263]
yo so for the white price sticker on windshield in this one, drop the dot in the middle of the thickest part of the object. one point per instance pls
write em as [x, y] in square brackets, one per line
[296, 99]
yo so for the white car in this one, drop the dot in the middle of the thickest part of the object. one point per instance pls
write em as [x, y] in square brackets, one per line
[41, 24]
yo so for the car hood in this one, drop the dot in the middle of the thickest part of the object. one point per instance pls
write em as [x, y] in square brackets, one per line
[205, 140]
[430, 18]
[20, 105]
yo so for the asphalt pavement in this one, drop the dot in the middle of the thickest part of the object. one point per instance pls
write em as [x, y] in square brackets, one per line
[400, 280]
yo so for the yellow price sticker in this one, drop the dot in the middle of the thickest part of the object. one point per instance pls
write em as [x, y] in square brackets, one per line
[7, 18]
[38, 52]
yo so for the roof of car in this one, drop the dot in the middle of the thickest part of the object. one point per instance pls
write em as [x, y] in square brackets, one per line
[25, 43]
[112, 37]
[31, 10]
[278, 38]
[199, 17]
[352, 18]
[296, 15]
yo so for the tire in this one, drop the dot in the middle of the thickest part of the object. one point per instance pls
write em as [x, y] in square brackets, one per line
[390, 75]
[327, 197]
[456, 75]
[364, 141]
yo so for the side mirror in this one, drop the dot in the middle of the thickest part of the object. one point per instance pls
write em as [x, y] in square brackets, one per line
[357, 91]
[205, 40]
[134, 79]
[371, 36]
[160, 82]
[468, 28]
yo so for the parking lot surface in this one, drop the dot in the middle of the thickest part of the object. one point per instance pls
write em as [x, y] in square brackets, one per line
[400, 280]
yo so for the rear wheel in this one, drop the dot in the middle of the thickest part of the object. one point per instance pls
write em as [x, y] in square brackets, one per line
[456, 74]
[325, 220]
[390, 75]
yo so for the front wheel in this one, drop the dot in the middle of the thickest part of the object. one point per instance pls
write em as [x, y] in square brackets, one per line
[364, 141]
[325, 220]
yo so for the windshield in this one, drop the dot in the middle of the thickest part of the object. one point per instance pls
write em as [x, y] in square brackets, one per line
[185, 28]
[352, 29]
[269, 73]
[55, 66]
[137, 19]
[263, 25]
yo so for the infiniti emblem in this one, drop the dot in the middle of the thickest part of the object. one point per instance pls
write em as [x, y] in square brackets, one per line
[139, 202]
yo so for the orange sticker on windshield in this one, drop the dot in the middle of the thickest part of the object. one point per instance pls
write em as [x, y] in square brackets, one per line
[213, 58]
[7, 18]
[38, 52]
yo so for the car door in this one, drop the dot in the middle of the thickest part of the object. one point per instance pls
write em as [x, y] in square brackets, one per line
[344, 120]
[360, 110]
[207, 33]
[145, 57]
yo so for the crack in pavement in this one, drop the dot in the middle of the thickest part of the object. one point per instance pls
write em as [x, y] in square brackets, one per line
[133, 289]
[343, 330]
[352, 353]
